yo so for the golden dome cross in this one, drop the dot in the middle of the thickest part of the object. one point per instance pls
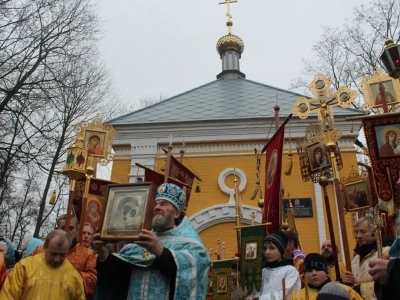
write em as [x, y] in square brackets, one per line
[228, 14]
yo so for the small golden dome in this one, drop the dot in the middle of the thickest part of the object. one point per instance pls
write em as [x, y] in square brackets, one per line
[230, 42]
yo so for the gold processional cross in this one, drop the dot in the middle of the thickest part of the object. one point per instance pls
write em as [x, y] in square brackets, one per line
[323, 102]
[228, 14]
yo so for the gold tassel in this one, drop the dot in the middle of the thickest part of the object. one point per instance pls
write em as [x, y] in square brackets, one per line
[289, 166]
[255, 191]
[389, 208]
[352, 128]
[198, 189]
[163, 165]
[53, 196]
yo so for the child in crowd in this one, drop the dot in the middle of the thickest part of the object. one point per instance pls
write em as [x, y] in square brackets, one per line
[276, 268]
[316, 277]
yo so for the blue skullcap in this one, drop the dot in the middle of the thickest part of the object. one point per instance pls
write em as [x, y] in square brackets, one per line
[172, 193]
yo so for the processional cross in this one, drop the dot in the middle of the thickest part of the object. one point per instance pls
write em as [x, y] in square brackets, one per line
[323, 102]
[228, 14]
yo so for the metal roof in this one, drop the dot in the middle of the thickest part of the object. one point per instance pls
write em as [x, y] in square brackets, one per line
[222, 99]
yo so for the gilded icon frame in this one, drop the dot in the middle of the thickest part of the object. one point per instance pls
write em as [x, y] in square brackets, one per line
[370, 88]
[128, 210]
[324, 159]
[357, 191]
[222, 283]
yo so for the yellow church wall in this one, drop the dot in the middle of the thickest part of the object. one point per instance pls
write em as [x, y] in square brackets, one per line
[121, 169]
[209, 165]
[209, 168]
[293, 185]
[211, 235]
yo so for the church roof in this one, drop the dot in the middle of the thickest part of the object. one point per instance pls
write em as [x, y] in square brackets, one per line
[222, 99]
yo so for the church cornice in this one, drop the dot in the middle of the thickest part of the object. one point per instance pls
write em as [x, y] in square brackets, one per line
[218, 131]
[220, 149]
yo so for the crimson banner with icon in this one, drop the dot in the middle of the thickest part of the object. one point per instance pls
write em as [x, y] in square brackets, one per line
[382, 134]
[273, 167]
[96, 200]
[178, 171]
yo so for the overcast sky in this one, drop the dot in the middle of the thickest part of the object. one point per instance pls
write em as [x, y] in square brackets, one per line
[155, 46]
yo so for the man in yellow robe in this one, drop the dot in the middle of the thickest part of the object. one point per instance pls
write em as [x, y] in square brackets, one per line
[3, 273]
[327, 253]
[82, 258]
[47, 275]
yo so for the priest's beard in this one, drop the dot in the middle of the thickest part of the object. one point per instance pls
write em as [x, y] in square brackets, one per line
[163, 223]
[328, 259]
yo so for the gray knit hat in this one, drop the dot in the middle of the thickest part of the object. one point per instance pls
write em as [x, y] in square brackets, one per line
[333, 291]
[279, 239]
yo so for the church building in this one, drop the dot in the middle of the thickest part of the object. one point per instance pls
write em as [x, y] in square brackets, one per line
[218, 125]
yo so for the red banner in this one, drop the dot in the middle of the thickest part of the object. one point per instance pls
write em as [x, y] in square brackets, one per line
[96, 200]
[158, 178]
[382, 133]
[178, 171]
[273, 167]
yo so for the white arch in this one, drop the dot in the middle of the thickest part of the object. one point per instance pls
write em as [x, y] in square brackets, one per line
[223, 213]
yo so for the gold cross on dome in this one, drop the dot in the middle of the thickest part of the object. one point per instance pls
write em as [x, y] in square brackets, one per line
[228, 14]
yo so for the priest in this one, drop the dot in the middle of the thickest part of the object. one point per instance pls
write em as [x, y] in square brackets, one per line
[167, 262]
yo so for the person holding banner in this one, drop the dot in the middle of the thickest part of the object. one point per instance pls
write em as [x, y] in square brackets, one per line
[168, 262]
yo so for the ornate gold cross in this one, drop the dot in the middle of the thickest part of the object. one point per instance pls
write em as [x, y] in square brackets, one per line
[228, 14]
[323, 102]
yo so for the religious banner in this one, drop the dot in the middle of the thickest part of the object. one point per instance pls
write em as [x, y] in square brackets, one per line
[158, 178]
[382, 133]
[96, 200]
[380, 91]
[273, 166]
[221, 279]
[178, 171]
[251, 253]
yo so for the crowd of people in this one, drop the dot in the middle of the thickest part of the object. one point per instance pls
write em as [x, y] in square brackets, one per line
[171, 262]
[313, 276]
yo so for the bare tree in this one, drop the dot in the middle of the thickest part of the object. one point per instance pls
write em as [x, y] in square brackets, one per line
[148, 100]
[50, 80]
[80, 93]
[35, 36]
[351, 52]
